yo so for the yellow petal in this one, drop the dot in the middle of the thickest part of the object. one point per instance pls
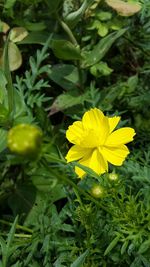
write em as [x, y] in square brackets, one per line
[76, 152]
[121, 136]
[115, 155]
[75, 132]
[113, 122]
[92, 119]
[95, 161]
[98, 163]
[95, 120]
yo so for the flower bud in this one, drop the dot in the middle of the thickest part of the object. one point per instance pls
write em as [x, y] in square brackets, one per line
[25, 140]
[97, 191]
[113, 176]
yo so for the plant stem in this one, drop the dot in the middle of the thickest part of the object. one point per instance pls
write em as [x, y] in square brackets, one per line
[9, 86]
[41, 55]
[18, 235]
[24, 228]
[23, 235]
[78, 64]
[68, 31]
[74, 42]
[82, 192]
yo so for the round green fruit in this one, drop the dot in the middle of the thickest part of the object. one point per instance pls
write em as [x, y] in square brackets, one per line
[25, 140]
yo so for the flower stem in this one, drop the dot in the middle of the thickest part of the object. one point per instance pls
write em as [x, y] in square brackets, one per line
[75, 43]
[82, 192]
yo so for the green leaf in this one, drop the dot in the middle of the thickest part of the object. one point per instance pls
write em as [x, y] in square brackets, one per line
[22, 199]
[132, 83]
[65, 75]
[3, 115]
[9, 86]
[145, 261]
[9, 241]
[64, 49]
[20, 106]
[53, 5]
[112, 244]
[101, 48]
[3, 245]
[104, 15]
[103, 29]
[44, 184]
[34, 26]
[144, 246]
[9, 4]
[124, 247]
[3, 82]
[66, 100]
[41, 199]
[100, 69]
[73, 18]
[37, 37]
[17, 264]
[80, 260]
[3, 139]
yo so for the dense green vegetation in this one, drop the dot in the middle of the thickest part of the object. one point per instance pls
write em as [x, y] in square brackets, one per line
[59, 59]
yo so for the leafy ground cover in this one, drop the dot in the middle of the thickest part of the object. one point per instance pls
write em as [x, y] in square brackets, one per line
[58, 60]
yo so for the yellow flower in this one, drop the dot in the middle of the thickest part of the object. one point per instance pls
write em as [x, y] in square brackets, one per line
[95, 143]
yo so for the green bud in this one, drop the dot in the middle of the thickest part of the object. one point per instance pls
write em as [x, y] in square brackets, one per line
[97, 191]
[25, 140]
[113, 176]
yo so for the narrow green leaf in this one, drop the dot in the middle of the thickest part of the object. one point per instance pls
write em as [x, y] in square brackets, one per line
[9, 242]
[80, 260]
[3, 139]
[144, 246]
[73, 18]
[3, 82]
[17, 264]
[145, 261]
[101, 48]
[124, 247]
[9, 86]
[3, 245]
[112, 244]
